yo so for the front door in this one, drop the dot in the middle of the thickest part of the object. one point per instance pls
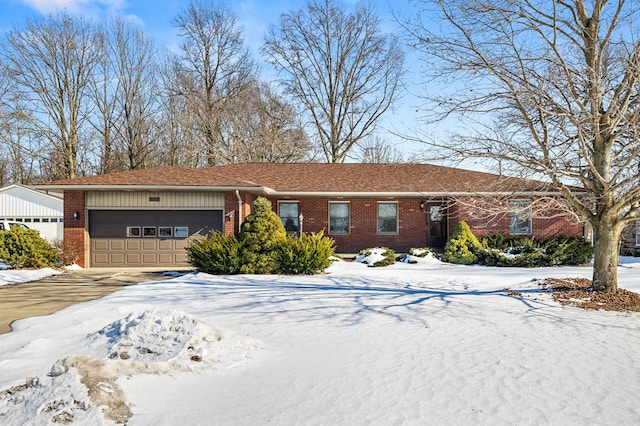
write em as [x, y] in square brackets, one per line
[436, 225]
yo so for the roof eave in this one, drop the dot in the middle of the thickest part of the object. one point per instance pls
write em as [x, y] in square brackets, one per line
[154, 188]
[411, 194]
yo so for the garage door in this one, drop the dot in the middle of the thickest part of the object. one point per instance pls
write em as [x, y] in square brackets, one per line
[147, 237]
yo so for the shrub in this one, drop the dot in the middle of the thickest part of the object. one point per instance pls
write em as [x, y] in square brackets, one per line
[463, 247]
[306, 254]
[528, 252]
[25, 248]
[215, 254]
[420, 251]
[564, 250]
[261, 235]
[388, 256]
[69, 251]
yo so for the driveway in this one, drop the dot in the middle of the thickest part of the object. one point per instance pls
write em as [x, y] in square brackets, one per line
[53, 293]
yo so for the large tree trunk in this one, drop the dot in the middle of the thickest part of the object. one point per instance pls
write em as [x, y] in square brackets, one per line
[605, 265]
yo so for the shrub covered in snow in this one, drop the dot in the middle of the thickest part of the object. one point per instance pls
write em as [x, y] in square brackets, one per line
[378, 256]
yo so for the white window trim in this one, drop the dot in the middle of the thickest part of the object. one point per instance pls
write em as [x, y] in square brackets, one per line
[348, 203]
[397, 231]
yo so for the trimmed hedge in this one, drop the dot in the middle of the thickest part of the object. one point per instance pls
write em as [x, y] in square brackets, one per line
[25, 248]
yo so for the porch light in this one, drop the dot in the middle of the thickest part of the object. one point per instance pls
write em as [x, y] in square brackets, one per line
[76, 215]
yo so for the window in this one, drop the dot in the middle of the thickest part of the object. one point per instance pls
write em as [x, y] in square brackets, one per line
[289, 212]
[638, 233]
[520, 217]
[133, 231]
[148, 231]
[165, 231]
[181, 231]
[387, 218]
[338, 218]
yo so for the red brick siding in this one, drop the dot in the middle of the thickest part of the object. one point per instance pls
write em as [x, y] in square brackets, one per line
[412, 226]
[499, 223]
[74, 229]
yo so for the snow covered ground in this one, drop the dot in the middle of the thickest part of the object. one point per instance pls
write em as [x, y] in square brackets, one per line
[411, 344]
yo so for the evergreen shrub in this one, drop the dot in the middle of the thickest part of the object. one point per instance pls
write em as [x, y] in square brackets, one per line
[215, 254]
[261, 236]
[306, 255]
[25, 248]
[463, 247]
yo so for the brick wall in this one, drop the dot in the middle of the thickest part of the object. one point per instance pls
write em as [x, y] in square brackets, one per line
[412, 222]
[74, 229]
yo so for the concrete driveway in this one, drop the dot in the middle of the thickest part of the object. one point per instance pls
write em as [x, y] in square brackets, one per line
[53, 293]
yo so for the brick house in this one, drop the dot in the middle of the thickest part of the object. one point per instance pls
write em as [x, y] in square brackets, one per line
[146, 217]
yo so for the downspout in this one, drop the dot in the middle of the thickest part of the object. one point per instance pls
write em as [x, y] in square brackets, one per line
[239, 209]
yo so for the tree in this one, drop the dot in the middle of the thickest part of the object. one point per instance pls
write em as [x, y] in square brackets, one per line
[551, 88]
[340, 66]
[259, 126]
[126, 97]
[213, 67]
[376, 150]
[52, 61]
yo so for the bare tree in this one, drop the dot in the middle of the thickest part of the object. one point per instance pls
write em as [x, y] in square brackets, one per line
[377, 150]
[340, 66]
[553, 89]
[127, 96]
[213, 67]
[259, 126]
[52, 61]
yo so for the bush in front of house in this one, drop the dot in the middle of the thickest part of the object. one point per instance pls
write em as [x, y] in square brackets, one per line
[524, 251]
[377, 256]
[69, 251]
[261, 236]
[216, 254]
[25, 248]
[463, 247]
[305, 255]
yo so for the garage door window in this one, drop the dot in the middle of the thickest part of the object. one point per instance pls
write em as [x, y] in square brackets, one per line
[133, 231]
[165, 231]
[149, 231]
[181, 232]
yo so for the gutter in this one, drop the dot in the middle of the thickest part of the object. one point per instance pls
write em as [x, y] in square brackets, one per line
[240, 218]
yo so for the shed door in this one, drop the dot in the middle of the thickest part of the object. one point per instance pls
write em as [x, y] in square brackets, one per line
[140, 238]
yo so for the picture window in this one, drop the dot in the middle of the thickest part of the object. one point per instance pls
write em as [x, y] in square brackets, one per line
[339, 218]
[387, 218]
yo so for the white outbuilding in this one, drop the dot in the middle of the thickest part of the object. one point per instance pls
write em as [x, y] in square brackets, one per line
[36, 209]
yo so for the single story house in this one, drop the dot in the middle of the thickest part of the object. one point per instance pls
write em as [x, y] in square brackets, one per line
[147, 217]
[36, 209]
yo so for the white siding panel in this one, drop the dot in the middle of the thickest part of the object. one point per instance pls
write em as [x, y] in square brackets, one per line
[17, 201]
[165, 199]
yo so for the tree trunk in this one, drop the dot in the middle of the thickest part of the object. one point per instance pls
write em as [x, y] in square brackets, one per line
[605, 265]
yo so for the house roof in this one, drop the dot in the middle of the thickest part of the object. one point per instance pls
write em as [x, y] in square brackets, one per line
[312, 179]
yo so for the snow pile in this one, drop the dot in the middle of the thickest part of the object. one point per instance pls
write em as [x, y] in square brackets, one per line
[171, 339]
[84, 389]
[16, 276]
[371, 256]
[419, 256]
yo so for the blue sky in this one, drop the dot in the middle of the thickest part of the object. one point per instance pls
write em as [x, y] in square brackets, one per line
[255, 16]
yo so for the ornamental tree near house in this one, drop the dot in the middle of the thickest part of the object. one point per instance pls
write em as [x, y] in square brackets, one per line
[548, 87]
